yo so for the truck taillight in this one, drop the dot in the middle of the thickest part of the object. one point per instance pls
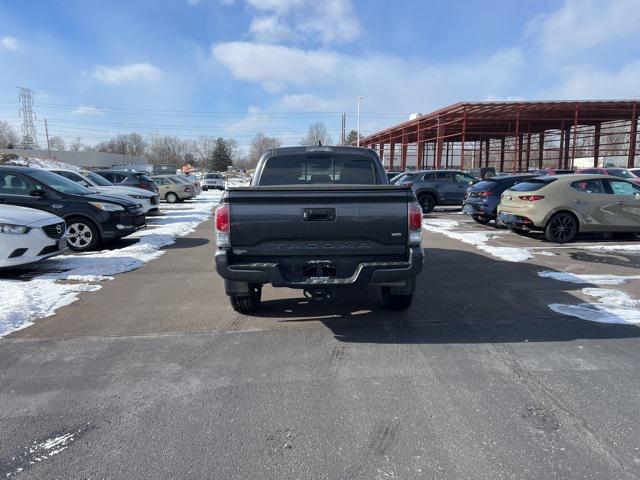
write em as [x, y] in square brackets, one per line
[415, 224]
[223, 225]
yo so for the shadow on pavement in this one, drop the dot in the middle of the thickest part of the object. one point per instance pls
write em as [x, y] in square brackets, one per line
[461, 297]
[187, 242]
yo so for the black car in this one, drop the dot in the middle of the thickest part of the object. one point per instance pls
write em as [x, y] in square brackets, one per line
[129, 179]
[90, 217]
[482, 199]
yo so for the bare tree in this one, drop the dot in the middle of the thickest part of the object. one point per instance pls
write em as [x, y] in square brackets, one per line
[259, 145]
[131, 144]
[57, 143]
[8, 136]
[317, 135]
[76, 146]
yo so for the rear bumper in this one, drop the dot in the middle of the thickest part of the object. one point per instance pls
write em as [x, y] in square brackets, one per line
[516, 221]
[367, 273]
[476, 209]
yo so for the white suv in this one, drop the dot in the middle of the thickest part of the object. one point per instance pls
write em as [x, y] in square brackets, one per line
[213, 180]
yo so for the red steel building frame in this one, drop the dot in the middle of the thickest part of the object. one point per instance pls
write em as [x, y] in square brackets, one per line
[513, 136]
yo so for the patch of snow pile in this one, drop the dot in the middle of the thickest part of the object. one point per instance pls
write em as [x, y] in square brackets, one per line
[40, 163]
[596, 279]
[23, 302]
[478, 239]
[545, 254]
[612, 306]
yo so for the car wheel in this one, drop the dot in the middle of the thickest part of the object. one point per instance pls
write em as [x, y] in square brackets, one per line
[247, 304]
[396, 302]
[427, 202]
[481, 220]
[171, 197]
[561, 228]
[82, 235]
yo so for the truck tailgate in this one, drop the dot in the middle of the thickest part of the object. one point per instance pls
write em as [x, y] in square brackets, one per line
[319, 221]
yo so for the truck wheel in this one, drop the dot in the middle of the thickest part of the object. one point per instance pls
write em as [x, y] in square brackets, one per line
[396, 302]
[427, 202]
[247, 304]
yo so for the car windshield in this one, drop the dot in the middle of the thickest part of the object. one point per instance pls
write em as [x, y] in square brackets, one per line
[404, 177]
[97, 179]
[484, 185]
[621, 173]
[181, 180]
[210, 176]
[343, 169]
[59, 183]
[532, 185]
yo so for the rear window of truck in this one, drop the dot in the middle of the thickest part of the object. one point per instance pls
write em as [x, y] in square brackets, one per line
[301, 170]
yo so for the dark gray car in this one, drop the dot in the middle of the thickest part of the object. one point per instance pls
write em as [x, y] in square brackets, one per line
[438, 187]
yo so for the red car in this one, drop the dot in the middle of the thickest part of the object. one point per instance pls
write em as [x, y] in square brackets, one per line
[614, 172]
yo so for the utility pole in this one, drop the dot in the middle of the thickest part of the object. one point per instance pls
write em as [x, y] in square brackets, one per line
[358, 140]
[343, 138]
[29, 135]
[46, 129]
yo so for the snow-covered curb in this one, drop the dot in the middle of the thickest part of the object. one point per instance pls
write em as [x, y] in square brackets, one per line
[23, 302]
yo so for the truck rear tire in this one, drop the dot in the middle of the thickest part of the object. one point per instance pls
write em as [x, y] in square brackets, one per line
[247, 304]
[396, 302]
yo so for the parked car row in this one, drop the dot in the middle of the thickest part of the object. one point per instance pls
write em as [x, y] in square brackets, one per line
[44, 212]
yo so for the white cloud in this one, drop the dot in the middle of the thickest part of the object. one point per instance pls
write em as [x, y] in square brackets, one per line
[277, 67]
[9, 44]
[591, 82]
[135, 72]
[87, 110]
[327, 22]
[583, 24]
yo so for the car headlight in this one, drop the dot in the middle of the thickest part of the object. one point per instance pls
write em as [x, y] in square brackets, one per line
[139, 197]
[107, 207]
[15, 229]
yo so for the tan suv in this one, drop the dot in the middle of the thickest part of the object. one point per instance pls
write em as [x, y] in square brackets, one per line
[172, 190]
[561, 207]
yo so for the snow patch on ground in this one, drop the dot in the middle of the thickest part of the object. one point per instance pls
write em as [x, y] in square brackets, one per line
[478, 239]
[23, 302]
[602, 279]
[612, 306]
[39, 163]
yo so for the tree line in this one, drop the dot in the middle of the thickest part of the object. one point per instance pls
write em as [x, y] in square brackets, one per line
[212, 153]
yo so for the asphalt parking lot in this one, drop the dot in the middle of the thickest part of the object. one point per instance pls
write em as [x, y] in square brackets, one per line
[155, 376]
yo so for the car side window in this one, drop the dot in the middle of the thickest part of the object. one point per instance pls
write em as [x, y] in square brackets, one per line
[74, 177]
[444, 176]
[428, 177]
[623, 188]
[589, 186]
[12, 184]
[462, 178]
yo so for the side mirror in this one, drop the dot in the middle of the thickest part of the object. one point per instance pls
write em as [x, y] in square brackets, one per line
[36, 192]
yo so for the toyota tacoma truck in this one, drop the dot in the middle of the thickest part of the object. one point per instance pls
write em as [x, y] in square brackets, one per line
[319, 219]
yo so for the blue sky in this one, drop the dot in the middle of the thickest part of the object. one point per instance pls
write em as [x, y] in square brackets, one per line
[234, 67]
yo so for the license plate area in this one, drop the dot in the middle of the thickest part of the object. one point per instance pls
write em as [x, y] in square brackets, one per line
[62, 243]
[319, 270]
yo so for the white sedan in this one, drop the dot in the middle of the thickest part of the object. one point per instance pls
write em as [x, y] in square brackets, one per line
[28, 235]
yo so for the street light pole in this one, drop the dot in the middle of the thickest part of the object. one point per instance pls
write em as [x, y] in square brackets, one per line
[358, 140]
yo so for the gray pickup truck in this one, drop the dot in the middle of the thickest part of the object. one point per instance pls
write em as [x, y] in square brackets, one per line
[319, 219]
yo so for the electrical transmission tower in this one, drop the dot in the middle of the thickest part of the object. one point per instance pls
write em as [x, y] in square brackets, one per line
[29, 134]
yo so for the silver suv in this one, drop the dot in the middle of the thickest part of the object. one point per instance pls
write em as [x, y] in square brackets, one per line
[213, 180]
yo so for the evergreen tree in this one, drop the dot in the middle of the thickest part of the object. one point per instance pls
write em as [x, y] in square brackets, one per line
[221, 156]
